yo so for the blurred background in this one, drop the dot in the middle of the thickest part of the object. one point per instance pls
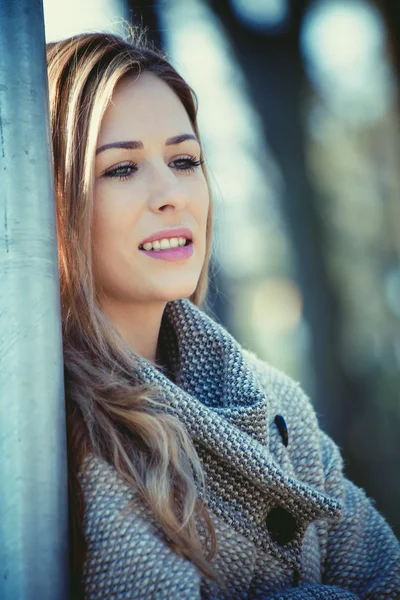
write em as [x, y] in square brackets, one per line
[299, 115]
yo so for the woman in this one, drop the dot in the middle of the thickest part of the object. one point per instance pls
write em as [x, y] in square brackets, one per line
[195, 469]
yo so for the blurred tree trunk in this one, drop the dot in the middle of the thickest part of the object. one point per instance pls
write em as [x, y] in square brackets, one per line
[390, 11]
[144, 13]
[277, 91]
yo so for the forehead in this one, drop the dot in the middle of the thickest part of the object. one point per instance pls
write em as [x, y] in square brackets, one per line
[144, 108]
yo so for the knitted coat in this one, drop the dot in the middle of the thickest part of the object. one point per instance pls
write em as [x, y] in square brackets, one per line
[289, 525]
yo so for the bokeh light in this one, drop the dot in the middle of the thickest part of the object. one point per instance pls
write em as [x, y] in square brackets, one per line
[262, 14]
[343, 43]
[63, 19]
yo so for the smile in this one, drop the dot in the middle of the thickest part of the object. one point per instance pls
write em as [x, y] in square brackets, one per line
[170, 253]
[165, 243]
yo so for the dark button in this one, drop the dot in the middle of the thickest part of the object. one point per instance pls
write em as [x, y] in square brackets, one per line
[282, 428]
[281, 525]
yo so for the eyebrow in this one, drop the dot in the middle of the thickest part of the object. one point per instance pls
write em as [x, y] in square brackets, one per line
[138, 145]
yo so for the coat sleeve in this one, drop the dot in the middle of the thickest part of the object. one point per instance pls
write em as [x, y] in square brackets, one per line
[363, 554]
[362, 557]
[127, 557]
[315, 592]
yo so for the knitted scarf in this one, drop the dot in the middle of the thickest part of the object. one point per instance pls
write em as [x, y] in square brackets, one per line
[210, 386]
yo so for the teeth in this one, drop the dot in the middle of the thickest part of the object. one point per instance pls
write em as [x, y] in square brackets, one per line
[164, 244]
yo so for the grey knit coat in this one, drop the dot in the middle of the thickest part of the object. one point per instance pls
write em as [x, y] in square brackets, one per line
[289, 524]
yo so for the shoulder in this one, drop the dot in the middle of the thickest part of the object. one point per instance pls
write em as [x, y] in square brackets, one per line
[111, 501]
[127, 552]
[107, 495]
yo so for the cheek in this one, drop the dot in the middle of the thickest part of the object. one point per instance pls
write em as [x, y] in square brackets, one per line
[205, 216]
[201, 195]
[113, 222]
[102, 216]
[114, 214]
[200, 213]
[104, 234]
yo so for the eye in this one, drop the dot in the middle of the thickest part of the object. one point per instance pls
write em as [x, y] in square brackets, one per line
[122, 171]
[186, 163]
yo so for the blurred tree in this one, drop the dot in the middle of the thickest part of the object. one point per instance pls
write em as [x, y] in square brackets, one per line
[144, 13]
[272, 65]
[390, 10]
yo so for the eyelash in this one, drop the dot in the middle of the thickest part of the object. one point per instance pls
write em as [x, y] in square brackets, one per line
[191, 165]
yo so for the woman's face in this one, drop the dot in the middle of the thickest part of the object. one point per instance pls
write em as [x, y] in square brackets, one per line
[147, 181]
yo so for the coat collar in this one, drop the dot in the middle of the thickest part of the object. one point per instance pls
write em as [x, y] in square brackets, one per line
[215, 393]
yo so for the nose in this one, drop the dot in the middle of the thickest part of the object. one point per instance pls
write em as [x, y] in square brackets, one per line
[166, 190]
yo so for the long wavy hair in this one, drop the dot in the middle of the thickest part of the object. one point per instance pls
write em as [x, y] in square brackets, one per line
[109, 413]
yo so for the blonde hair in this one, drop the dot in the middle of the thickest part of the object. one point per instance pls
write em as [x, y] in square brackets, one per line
[108, 412]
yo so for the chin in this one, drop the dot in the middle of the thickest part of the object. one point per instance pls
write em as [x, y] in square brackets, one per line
[182, 291]
[181, 294]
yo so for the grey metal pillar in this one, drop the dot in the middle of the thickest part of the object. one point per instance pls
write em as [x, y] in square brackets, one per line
[33, 470]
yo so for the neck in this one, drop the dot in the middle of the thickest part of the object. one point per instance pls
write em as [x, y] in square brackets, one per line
[138, 324]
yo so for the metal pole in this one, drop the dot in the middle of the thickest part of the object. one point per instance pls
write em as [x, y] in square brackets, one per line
[33, 467]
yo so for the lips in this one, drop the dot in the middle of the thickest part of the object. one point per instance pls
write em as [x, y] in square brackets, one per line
[172, 254]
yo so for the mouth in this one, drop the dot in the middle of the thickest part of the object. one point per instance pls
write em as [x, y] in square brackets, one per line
[176, 253]
[166, 244]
